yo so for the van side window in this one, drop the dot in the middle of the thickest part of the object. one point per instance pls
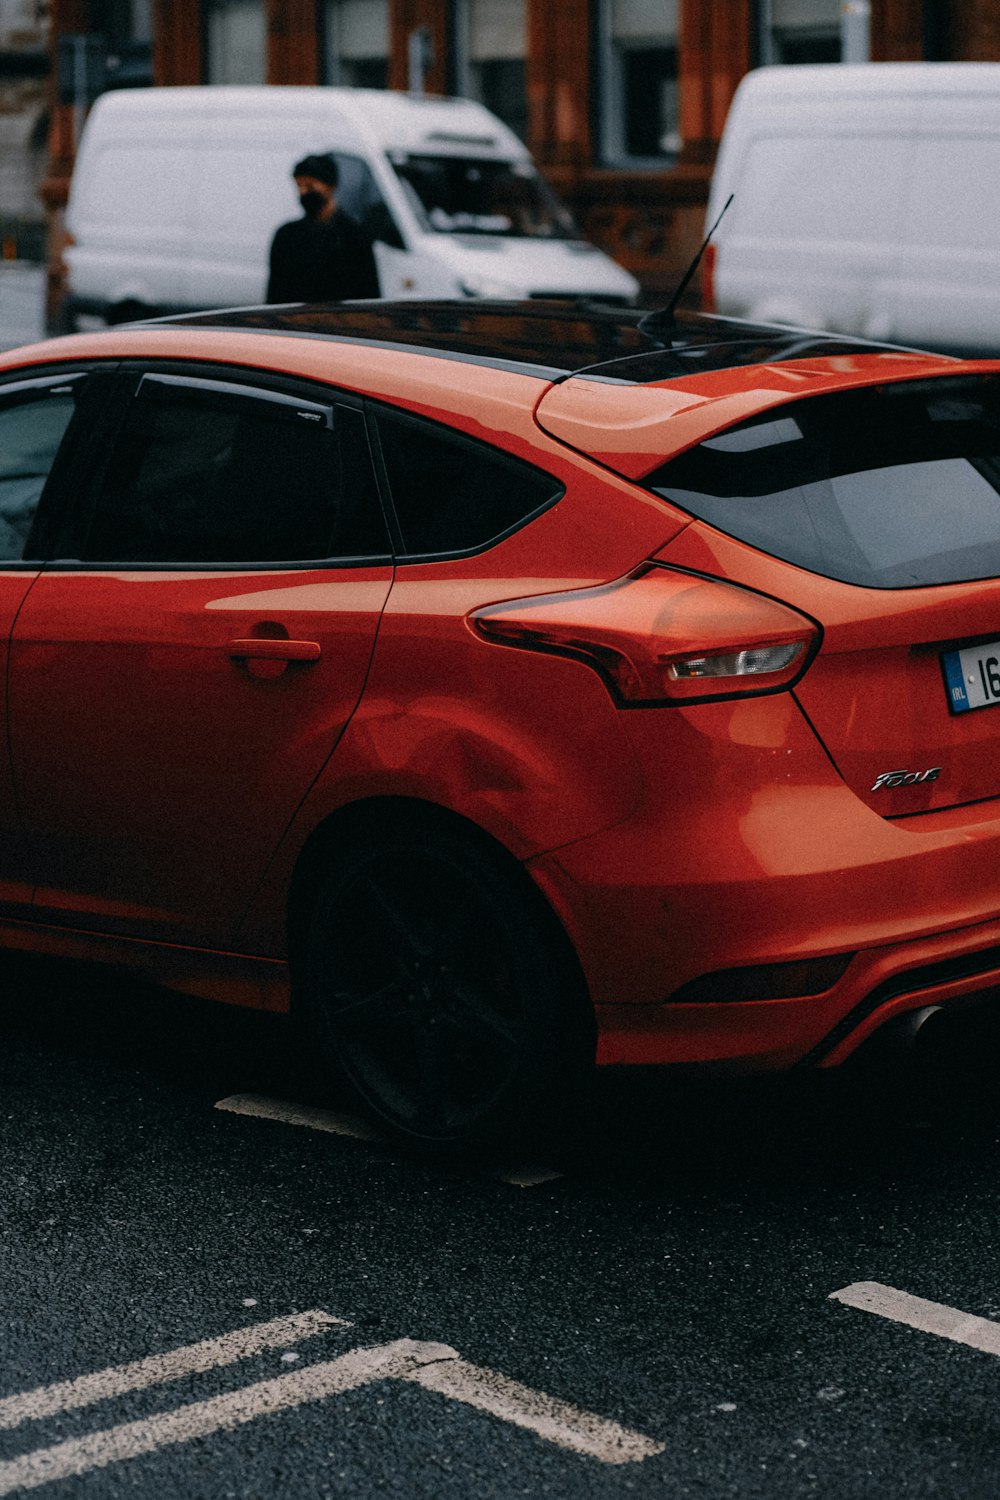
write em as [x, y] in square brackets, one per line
[224, 475]
[451, 494]
[34, 416]
[361, 196]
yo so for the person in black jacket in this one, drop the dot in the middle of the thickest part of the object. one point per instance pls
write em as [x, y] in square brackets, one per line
[324, 256]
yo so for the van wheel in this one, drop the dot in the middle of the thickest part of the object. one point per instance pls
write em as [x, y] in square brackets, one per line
[436, 989]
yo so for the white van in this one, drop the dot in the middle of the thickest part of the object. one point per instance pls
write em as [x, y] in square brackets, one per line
[867, 200]
[177, 191]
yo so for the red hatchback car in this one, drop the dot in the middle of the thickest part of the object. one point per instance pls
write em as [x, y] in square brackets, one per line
[505, 685]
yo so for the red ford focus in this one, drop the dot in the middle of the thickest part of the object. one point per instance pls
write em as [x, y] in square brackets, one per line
[505, 686]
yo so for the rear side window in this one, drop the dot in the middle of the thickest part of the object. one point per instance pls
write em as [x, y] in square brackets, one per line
[893, 487]
[361, 196]
[209, 473]
[34, 416]
[454, 495]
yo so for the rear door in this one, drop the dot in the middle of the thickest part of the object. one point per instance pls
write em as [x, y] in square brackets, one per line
[203, 638]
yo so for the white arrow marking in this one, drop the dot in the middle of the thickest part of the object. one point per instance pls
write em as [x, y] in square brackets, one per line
[436, 1367]
[917, 1312]
[157, 1368]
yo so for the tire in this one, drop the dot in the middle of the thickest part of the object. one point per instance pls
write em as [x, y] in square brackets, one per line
[436, 988]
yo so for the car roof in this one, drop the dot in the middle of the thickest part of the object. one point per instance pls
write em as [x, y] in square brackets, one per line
[552, 339]
[624, 387]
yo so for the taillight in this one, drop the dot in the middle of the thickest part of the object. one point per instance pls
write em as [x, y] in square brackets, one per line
[708, 262]
[659, 636]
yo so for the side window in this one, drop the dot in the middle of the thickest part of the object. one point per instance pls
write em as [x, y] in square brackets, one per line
[34, 416]
[361, 196]
[211, 473]
[451, 494]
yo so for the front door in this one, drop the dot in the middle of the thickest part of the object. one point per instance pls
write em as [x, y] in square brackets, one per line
[36, 424]
[182, 672]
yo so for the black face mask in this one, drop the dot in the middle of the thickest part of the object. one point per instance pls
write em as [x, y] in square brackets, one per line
[312, 203]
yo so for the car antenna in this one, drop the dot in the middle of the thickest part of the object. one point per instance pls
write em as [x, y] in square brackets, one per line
[664, 318]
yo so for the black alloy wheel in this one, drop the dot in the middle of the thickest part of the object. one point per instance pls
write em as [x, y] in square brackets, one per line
[438, 992]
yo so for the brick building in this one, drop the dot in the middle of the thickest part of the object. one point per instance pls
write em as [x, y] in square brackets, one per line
[621, 101]
[24, 119]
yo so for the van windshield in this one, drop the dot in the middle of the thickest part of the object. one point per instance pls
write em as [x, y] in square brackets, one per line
[477, 195]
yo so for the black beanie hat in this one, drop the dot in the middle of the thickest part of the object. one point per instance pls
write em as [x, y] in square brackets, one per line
[322, 166]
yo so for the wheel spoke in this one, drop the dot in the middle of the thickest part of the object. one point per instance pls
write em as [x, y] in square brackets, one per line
[362, 1005]
[473, 1015]
[394, 920]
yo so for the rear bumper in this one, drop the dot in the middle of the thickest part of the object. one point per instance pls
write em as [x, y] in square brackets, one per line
[755, 853]
[820, 1030]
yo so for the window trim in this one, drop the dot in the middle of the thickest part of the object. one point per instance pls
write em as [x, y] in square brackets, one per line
[404, 558]
[77, 438]
[240, 384]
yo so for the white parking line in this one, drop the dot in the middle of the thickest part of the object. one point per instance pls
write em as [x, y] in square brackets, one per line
[156, 1369]
[916, 1312]
[554, 1420]
[435, 1367]
[220, 1413]
[528, 1176]
[525, 1175]
[298, 1114]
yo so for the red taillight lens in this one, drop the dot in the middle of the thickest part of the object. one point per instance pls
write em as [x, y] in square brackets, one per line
[708, 262]
[660, 636]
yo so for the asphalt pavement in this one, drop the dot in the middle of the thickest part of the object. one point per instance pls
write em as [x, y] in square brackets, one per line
[760, 1288]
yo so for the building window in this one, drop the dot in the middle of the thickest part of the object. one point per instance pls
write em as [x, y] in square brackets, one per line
[637, 52]
[490, 47]
[235, 41]
[355, 43]
[128, 41]
[800, 31]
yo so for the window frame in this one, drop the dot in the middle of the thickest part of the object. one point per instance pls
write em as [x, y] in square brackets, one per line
[610, 93]
[235, 383]
[403, 557]
[74, 455]
[212, 65]
[467, 79]
[331, 62]
[766, 29]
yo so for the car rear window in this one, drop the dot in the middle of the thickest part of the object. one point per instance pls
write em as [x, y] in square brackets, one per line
[891, 487]
[452, 494]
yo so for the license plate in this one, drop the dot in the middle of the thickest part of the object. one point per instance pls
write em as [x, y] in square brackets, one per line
[972, 677]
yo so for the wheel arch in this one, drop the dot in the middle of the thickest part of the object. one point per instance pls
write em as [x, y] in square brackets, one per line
[371, 814]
